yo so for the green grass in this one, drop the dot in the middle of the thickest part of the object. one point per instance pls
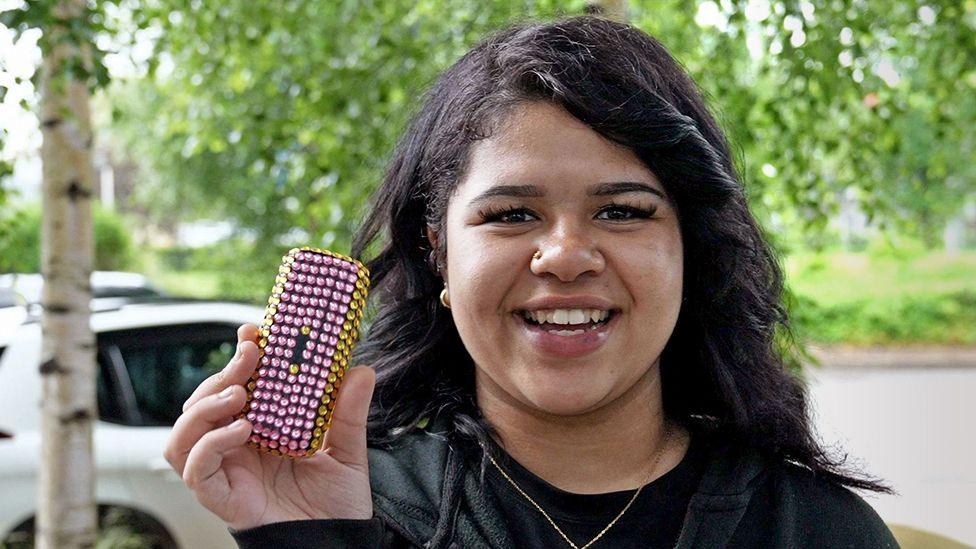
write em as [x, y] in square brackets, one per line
[180, 282]
[202, 284]
[885, 299]
[840, 278]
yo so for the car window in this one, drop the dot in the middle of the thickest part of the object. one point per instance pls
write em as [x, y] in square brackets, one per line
[165, 364]
[111, 407]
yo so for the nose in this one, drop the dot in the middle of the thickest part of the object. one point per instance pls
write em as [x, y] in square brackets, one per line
[567, 253]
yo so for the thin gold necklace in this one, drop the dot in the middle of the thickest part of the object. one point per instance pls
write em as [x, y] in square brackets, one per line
[657, 458]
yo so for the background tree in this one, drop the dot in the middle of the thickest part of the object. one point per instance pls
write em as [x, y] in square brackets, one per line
[281, 116]
[831, 98]
[66, 513]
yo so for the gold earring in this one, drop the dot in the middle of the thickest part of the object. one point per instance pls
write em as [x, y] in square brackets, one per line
[445, 298]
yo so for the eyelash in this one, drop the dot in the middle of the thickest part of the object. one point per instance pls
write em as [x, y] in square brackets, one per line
[490, 214]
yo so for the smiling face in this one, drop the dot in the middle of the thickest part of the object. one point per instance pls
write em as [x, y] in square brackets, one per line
[609, 240]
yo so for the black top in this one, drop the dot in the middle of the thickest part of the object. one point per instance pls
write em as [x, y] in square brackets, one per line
[427, 495]
[655, 516]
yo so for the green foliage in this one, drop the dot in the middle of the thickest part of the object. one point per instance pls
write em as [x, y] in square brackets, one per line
[281, 115]
[823, 98]
[217, 270]
[833, 278]
[932, 319]
[884, 298]
[20, 246]
[20, 249]
[80, 27]
[114, 250]
[6, 170]
[6, 215]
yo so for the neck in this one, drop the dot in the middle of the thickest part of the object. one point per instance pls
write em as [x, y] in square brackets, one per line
[608, 449]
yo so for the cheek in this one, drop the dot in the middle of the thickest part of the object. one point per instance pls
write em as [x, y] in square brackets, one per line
[659, 275]
[480, 275]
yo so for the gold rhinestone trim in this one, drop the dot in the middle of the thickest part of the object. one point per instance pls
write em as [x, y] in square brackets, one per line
[348, 336]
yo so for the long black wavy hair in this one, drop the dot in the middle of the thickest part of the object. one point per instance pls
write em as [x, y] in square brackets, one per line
[722, 365]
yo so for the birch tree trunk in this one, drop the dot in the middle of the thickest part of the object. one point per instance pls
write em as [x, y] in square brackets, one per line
[66, 508]
[611, 9]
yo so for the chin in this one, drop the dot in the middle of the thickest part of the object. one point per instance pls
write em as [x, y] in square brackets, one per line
[565, 403]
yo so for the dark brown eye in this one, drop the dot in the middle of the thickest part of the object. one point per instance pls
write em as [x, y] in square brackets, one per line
[622, 212]
[504, 215]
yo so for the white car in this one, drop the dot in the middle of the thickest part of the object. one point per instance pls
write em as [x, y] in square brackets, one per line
[151, 356]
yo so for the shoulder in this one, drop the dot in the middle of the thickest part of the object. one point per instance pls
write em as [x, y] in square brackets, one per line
[406, 477]
[783, 504]
[822, 512]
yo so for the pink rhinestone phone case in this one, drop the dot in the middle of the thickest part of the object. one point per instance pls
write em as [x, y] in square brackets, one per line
[310, 327]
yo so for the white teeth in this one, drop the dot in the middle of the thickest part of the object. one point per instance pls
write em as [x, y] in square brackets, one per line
[577, 316]
[567, 316]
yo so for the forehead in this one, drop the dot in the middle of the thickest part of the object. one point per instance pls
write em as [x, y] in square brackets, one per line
[542, 144]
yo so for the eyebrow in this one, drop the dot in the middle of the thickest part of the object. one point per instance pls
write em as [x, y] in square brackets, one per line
[600, 189]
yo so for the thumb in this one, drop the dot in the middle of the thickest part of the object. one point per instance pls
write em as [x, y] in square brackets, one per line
[346, 438]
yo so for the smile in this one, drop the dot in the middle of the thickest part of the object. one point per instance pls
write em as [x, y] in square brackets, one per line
[566, 333]
[567, 322]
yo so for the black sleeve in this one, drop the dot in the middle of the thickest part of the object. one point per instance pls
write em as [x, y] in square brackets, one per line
[793, 508]
[315, 534]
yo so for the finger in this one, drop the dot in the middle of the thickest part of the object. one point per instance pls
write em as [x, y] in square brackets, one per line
[207, 414]
[247, 332]
[203, 473]
[346, 438]
[237, 371]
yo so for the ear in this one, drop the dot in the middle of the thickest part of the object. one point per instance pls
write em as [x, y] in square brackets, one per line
[432, 237]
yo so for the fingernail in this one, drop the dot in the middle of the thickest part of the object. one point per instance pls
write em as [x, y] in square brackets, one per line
[237, 423]
[226, 392]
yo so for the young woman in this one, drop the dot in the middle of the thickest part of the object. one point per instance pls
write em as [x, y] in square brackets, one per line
[573, 342]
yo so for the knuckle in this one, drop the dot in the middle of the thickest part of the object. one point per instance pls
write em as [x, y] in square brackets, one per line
[189, 479]
[193, 416]
[205, 405]
[237, 391]
[246, 346]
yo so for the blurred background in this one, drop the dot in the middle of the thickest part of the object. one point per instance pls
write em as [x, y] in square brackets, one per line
[228, 132]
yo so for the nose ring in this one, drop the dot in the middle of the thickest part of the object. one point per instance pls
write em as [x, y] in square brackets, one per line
[537, 254]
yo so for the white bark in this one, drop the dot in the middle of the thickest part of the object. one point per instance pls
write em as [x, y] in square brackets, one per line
[66, 515]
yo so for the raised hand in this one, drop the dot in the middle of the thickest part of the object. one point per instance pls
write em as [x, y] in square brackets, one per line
[248, 488]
